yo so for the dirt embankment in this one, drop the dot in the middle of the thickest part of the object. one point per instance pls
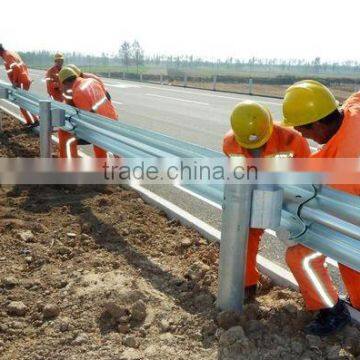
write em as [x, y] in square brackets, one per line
[95, 273]
[16, 140]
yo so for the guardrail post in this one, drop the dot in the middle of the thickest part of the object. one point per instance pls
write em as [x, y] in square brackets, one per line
[109, 74]
[214, 83]
[4, 93]
[45, 128]
[233, 247]
[141, 77]
[251, 84]
[123, 75]
[161, 79]
[185, 80]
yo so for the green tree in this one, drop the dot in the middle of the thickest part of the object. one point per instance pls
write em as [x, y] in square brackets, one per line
[125, 54]
[137, 54]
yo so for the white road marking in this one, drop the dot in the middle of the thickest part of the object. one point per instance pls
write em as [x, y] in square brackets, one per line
[10, 103]
[16, 116]
[202, 198]
[116, 102]
[185, 91]
[177, 99]
[165, 88]
[122, 86]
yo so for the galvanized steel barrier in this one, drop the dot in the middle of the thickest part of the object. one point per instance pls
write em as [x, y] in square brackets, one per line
[333, 217]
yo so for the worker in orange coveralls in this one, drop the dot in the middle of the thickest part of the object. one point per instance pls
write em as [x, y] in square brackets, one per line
[19, 77]
[253, 135]
[52, 79]
[89, 76]
[88, 95]
[312, 109]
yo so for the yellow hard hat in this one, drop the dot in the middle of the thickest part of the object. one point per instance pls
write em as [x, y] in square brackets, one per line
[306, 102]
[58, 56]
[252, 124]
[66, 73]
[75, 68]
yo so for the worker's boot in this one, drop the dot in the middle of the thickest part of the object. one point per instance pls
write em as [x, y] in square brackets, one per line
[32, 125]
[329, 320]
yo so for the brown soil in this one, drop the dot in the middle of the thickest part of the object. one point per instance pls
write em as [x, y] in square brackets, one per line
[16, 140]
[95, 273]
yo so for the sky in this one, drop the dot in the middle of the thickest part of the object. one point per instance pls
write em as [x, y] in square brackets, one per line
[211, 29]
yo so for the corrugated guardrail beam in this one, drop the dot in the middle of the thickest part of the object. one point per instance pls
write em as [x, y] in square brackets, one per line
[333, 216]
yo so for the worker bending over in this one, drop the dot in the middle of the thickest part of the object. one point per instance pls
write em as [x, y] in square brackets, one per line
[19, 77]
[90, 76]
[253, 135]
[52, 79]
[88, 95]
[311, 108]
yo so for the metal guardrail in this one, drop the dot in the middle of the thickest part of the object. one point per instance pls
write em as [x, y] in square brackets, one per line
[333, 217]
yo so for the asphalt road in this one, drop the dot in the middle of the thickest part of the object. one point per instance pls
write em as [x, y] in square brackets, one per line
[197, 116]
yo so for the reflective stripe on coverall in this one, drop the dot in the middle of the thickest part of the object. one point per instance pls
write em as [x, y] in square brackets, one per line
[284, 142]
[88, 95]
[309, 267]
[18, 75]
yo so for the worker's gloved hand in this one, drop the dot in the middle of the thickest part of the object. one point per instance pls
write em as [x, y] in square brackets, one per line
[284, 236]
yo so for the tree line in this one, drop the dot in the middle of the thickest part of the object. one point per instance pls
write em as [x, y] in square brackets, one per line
[131, 54]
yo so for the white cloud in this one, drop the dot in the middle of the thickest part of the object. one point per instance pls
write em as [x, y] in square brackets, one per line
[216, 29]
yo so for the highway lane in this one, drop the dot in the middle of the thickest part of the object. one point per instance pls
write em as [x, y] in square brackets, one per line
[197, 116]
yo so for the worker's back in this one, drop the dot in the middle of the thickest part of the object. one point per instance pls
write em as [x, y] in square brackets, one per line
[346, 142]
[17, 70]
[89, 95]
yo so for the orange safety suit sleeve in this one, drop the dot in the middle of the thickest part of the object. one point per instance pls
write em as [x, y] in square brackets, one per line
[10, 62]
[49, 80]
[301, 147]
[16, 72]
[53, 84]
[8, 70]
[83, 98]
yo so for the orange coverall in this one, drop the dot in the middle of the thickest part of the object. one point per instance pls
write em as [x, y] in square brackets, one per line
[18, 75]
[284, 142]
[308, 266]
[95, 77]
[88, 95]
[53, 84]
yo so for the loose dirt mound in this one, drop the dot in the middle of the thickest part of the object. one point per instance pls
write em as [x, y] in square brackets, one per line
[95, 273]
[15, 140]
